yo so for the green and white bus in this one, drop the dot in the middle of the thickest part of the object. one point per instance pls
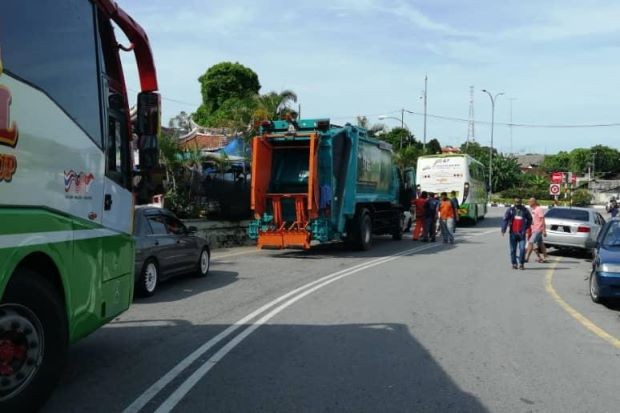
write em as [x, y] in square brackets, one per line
[66, 201]
[455, 172]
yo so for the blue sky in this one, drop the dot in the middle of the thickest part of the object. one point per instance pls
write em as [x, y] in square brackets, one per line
[559, 60]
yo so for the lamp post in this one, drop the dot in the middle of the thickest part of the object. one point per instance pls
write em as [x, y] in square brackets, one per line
[493, 98]
[403, 125]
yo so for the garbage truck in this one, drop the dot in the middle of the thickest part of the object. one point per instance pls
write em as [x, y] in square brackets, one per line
[314, 183]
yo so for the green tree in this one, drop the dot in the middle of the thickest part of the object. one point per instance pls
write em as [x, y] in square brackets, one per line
[559, 162]
[274, 105]
[399, 137]
[235, 113]
[222, 82]
[408, 156]
[506, 172]
[580, 158]
[433, 147]
[606, 159]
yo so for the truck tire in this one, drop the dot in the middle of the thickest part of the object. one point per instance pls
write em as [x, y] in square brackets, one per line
[363, 226]
[33, 342]
[397, 233]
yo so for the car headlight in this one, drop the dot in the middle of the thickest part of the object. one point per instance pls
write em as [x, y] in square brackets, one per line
[609, 268]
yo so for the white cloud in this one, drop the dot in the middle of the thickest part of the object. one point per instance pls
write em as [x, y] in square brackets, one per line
[567, 22]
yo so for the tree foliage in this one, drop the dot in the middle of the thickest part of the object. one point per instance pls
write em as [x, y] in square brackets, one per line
[433, 147]
[606, 161]
[275, 105]
[222, 82]
[374, 130]
[399, 138]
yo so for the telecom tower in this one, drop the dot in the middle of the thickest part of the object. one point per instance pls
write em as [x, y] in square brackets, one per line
[471, 128]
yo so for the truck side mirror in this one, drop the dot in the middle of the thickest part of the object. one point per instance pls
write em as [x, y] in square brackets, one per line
[147, 126]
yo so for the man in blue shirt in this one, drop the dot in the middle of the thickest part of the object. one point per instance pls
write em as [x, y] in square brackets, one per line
[430, 218]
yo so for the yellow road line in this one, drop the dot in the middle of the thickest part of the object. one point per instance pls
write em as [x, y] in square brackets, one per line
[584, 321]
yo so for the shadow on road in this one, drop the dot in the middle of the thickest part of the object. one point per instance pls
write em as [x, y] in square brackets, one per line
[180, 288]
[280, 368]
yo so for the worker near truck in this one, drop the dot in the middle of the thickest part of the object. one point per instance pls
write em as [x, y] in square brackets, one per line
[420, 205]
[430, 218]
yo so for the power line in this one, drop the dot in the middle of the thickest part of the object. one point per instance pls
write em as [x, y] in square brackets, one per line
[521, 125]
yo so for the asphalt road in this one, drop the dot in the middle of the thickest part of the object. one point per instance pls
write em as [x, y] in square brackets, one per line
[404, 327]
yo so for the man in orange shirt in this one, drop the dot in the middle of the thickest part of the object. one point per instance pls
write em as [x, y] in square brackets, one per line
[419, 204]
[447, 215]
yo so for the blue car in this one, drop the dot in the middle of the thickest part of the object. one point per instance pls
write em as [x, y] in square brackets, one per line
[605, 276]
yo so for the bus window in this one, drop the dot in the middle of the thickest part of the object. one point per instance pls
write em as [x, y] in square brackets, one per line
[57, 55]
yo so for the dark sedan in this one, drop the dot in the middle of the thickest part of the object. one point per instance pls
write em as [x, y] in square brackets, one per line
[165, 247]
[605, 276]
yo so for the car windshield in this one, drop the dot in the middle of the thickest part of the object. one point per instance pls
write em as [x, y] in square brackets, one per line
[612, 236]
[566, 213]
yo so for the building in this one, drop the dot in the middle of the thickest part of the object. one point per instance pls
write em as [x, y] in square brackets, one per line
[530, 163]
[204, 139]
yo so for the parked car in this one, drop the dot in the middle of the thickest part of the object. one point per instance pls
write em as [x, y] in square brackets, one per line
[165, 247]
[572, 227]
[605, 275]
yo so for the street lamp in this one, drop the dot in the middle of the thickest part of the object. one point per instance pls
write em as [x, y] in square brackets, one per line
[403, 125]
[493, 98]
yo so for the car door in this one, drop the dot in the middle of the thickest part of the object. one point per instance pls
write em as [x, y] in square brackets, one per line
[186, 245]
[599, 222]
[162, 244]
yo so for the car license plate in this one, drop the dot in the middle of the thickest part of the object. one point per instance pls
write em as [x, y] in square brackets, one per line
[566, 229]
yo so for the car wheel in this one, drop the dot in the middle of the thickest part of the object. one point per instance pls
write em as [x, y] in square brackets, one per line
[594, 290]
[33, 342]
[149, 278]
[204, 262]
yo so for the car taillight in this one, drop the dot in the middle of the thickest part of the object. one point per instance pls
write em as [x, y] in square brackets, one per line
[583, 229]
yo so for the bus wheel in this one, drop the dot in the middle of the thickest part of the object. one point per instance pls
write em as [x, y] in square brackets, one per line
[33, 342]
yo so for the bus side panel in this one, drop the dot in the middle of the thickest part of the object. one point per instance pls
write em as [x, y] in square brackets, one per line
[75, 247]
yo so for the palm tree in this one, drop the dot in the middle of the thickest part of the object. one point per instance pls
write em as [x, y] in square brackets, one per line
[274, 105]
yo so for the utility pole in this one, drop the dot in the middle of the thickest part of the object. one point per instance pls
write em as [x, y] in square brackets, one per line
[493, 98]
[425, 103]
[511, 100]
[471, 129]
[402, 125]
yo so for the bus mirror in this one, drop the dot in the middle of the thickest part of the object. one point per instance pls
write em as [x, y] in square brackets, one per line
[149, 152]
[148, 114]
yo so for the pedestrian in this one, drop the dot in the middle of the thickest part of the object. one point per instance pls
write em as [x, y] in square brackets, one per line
[517, 220]
[456, 206]
[419, 205]
[539, 231]
[446, 218]
[430, 218]
[612, 208]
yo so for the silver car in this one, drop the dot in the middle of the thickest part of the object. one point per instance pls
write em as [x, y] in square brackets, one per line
[572, 227]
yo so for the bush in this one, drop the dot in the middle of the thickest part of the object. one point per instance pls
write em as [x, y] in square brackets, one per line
[527, 193]
[582, 197]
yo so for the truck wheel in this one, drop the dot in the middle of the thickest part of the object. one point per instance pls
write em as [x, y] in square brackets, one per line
[149, 278]
[33, 342]
[364, 238]
[397, 233]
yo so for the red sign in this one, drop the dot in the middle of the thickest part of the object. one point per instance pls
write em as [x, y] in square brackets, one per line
[557, 177]
[554, 189]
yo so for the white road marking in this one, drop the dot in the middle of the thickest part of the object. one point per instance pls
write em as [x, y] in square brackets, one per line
[191, 381]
